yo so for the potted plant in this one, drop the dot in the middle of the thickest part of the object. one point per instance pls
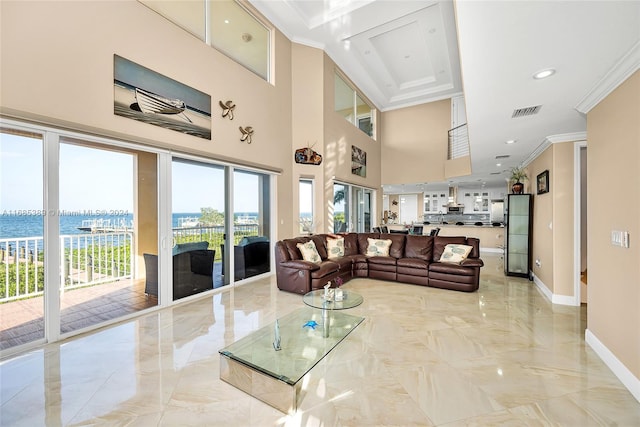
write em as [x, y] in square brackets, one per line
[518, 176]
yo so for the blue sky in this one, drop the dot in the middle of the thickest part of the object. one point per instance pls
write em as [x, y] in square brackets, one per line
[92, 179]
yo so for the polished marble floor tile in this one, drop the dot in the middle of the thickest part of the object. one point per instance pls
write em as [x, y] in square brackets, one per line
[426, 357]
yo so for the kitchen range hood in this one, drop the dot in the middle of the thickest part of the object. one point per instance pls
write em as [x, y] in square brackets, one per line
[453, 205]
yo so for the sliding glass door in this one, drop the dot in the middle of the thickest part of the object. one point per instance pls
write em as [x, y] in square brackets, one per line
[352, 208]
[251, 224]
[22, 256]
[105, 232]
[198, 226]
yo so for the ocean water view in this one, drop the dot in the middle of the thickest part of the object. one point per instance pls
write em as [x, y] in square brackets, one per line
[20, 226]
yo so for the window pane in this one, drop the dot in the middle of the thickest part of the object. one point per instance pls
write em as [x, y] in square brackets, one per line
[190, 15]
[198, 223]
[251, 224]
[102, 236]
[21, 239]
[343, 99]
[365, 116]
[340, 207]
[240, 36]
[306, 206]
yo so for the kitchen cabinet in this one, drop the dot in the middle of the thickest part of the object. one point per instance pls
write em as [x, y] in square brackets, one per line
[519, 227]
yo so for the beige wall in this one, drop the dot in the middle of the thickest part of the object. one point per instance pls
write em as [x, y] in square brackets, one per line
[553, 219]
[307, 105]
[614, 272]
[414, 143]
[57, 68]
[339, 136]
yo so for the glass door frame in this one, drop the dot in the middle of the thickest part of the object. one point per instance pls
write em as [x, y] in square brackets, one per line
[353, 209]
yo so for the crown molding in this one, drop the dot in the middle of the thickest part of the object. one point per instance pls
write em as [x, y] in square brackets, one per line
[554, 139]
[620, 72]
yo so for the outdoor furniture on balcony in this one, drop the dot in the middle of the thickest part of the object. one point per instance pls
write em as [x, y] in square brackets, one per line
[251, 257]
[192, 270]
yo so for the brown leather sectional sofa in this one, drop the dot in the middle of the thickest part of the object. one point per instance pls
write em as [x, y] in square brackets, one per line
[412, 259]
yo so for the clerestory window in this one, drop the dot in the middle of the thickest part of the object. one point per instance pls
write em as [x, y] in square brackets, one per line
[225, 25]
[351, 105]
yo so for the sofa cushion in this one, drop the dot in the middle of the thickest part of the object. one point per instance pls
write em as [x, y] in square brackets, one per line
[452, 269]
[420, 247]
[397, 244]
[440, 242]
[413, 263]
[455, 254]
[326, 268]
[321, 244]
[378, 247]
[382, 260]
[350, 243]
[335, 247]
[309, 252]
[292, 248]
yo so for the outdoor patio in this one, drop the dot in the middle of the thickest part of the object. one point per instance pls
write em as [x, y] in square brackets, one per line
[22, 321]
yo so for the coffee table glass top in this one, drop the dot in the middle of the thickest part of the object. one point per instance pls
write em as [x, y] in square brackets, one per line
[302, 347]
[316, 299]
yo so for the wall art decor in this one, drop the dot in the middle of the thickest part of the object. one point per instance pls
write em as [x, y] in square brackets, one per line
[227, 109]
[247, 133]
[358, 161]
[542, 182]
[307, 156]
[144, 95]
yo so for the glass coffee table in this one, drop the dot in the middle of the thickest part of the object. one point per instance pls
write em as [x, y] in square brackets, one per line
[274, 376]
[316, 299]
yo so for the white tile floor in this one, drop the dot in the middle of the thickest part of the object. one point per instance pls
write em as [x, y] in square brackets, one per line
[500, 356]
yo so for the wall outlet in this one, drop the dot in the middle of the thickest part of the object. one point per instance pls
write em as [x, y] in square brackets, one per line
[538, 263]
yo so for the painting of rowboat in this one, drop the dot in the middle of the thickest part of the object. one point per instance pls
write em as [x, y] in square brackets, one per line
[144, 95]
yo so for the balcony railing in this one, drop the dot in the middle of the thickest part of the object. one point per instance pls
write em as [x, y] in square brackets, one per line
[88, 259]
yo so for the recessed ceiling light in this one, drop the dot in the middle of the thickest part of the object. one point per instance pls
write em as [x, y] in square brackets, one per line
[226, 21]
[498, 164]
[511, 141]
[544, 73]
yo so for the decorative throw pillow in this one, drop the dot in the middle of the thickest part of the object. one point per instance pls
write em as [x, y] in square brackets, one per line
[309, 252]
[378, 247]
[455, 254]
[335, 247]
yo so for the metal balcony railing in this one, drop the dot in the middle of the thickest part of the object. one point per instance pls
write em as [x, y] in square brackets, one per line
[458, 142]
[89, 258]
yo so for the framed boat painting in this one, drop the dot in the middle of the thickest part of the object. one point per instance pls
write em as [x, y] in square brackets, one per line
[144, 95]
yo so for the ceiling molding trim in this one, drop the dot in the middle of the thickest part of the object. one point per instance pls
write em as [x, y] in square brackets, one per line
[308, 43]
[420, 102]
[554, 139]
[620, 72]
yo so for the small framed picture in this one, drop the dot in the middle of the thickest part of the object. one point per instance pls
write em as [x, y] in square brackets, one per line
[542, 182]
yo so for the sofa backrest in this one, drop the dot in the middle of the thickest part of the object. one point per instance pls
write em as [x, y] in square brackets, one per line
[419, 247]
[350, 243]
[440, 242]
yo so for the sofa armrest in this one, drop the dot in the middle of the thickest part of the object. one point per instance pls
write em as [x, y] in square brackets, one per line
[472, 262]
[300, 264]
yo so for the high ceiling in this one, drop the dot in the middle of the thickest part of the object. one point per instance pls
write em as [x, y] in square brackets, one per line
[402, 53]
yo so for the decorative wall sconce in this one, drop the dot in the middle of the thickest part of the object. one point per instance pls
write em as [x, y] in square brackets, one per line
[227, 108]
[246, 132]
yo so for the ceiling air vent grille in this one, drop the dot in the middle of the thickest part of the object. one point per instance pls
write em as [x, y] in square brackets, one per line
[527, 111]
[503, 156]
[495, 173]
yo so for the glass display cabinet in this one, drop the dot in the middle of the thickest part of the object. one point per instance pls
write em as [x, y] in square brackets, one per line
[518, 235]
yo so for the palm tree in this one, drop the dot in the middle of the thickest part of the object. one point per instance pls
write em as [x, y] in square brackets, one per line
[338, 196]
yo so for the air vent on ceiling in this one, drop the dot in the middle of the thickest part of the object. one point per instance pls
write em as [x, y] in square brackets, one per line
[503, 156]
[527, 111]
[495, 173]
